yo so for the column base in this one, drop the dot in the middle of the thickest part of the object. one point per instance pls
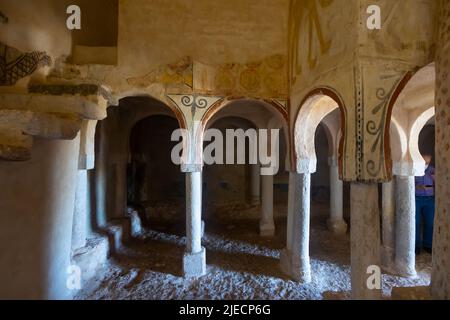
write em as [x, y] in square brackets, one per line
[266, 229]
[91, 257]
[194, 264]
[338, 227]
[299, 272]
[405, 271]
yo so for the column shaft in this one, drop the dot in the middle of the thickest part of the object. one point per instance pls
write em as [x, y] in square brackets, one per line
[295, 258]
[79, 227]
[194, 211]
[388, 227]
[36, 217]
[194, 262]
[405, 257]
[336, 221]
[255, 184]
[120, 185]
[365, 241]
[267, 226]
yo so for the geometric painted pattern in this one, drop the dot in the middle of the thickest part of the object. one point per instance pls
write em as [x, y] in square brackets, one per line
[15, 65]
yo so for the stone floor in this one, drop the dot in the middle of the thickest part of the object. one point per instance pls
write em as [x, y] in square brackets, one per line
[241, 264]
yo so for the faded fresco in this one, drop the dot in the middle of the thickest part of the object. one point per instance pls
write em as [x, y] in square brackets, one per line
[407, 31]
[264, 78]
[330, 45]
[322, 34]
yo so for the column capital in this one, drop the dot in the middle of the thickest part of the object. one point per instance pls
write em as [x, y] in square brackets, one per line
[408, 168]
[186, 168]
[49, 111]
[306, 165]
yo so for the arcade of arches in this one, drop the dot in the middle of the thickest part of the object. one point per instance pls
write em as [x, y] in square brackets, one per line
[86, 139]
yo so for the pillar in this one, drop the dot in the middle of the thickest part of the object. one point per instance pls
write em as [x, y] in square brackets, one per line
[405, 227]
[202, 229]
[388, 227]
[255, 184]
[336, 222]
[267, 225]
[36, 213]
[79, 227]
[295, 257]
[102, 205]
[365, 241]
[120, 189]
[440, 276]
[194, 261]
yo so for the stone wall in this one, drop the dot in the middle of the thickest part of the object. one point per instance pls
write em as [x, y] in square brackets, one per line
[440, 282]
[36, 206]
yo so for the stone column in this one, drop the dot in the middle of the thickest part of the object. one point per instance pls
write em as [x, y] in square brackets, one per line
[120, 187]
[405, 226]
[202, 229]
[336, 222]
[365, 240]
[440, 277]
[102, 205]
[36, 213]
[194, 261]
[267, 225]
[388, 227]
[295, 257]
[255, 184]
[79, 227]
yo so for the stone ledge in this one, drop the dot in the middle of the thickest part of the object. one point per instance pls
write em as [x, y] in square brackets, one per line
[49, 116]
[411, 293]
[91, 257]
[332, 295]
[83, 89]
[90, 107]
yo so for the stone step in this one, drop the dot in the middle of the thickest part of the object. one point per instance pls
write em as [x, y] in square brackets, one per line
[411, 293]
[91, 257]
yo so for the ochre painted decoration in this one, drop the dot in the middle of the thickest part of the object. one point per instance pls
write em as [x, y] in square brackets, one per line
[178, 74]
[307, 22]
[193, 109]
[15, 65]
[264, 78]
[376, 90]
[331, 47]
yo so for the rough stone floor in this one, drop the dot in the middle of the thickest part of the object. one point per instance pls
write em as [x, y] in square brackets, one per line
[241, 264]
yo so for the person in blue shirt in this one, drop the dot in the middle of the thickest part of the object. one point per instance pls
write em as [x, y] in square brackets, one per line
[425, 207]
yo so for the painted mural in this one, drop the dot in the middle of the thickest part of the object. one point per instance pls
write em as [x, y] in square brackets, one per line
[176, 75]
[15, 65]
[318, 36]
[258, 79]
[264, 78]
[401, 36]
[332, 47]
